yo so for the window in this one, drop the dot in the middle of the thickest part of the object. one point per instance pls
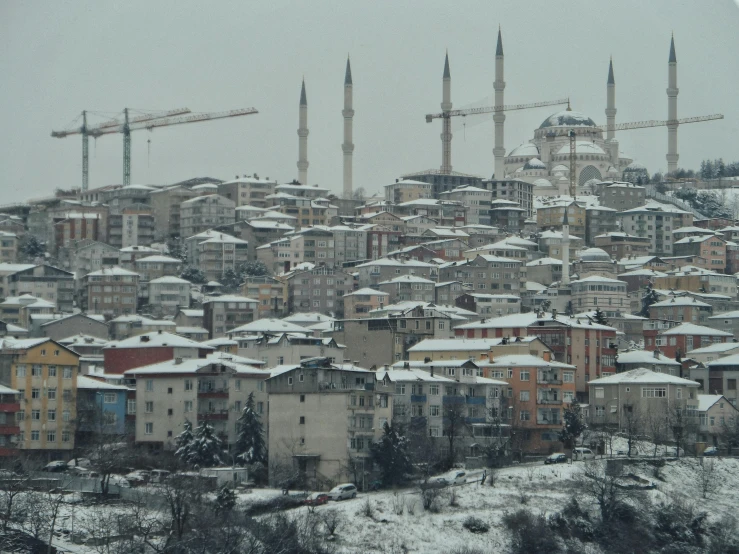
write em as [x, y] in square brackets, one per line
[169, 390]
[35, 415]
[188, 406]
[600, 411]
[51, 415]
[51, 393]
[289, 380]
[599, 392]
[525, 376]
[20, 371]
[67, 373]
[653, 392]
[35, 393]
[524, 396]
[149, 407]
[52, 371]
[131, 407]
[110, 398]
[65, 436]
[260, 407]
[302, 420]
[679, 393]
[148, 428]
[149, 385]
[188, 384]
[434, 411]
[400, 388]
[36, 370]
[525, 415]
[302, 398]
[434, 390]
[568, 377]
[301, 378]
[51, 436]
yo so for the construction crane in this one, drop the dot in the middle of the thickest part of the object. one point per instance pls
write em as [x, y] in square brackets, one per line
[86, 132]
[148, 122]
[572, 135]
[446, 162]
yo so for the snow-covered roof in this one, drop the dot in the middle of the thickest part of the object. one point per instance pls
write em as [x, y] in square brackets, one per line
[705, 401]
[156, 339]
[460, 345]
[693, 329]
[599, 279]
[93, 384]
[21, 344]
[229, 298]
[308, 317]
[411, 374]
[128, 249]
[183, 330]
[192, 365]
[645, 358]
[159, 259]
[544, 261]
[526, 360]
[113, 271]
[221, 341]
[525, 319]
[715, 348]
[406, 279]
[643, 376]
[680, 301]
[270, 325]
[395, 263]
[192, 313]
[367, 292]
[582, 147]
[169, 279]
[525, 149]
[643, 273]
[567, 118]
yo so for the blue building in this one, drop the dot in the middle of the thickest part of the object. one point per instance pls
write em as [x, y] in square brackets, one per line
[101, 409]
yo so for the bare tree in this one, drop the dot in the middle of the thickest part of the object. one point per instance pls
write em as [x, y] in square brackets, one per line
[730, 429]
[604, 489]
[655, 425]
[13, 484]
[632, 425]
[708, 480]
[454, 427]
[682, 425]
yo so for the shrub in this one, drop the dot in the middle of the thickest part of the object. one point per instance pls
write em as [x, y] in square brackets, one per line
[475, 525]
[332, 520]
[398, 504]
[366, 510]
[530, 533]
[271, 505]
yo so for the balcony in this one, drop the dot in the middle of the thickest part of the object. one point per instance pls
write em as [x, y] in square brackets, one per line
[5, 452]
[453, 400]
[479, 400]
[550, 421]
[216, 415]
[418, 398]
[9, 429]
[213, 393]
[548, 400]
[10, 407]
[548, 381]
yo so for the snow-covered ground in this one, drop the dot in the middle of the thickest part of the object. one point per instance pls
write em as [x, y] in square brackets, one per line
[400, 524]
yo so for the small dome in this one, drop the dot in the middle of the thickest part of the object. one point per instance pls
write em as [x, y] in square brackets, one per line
[592, 182]
[582, 147]
[519, 170]
[534, 163]
[560, 167]
[594, 255]
[525, 149]
[635, 166]
[567, 118]
[612, 171]
[542, 183]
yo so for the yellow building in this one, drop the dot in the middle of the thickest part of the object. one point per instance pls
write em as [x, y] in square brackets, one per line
[475, 349]
[45, 374]
[552, 217]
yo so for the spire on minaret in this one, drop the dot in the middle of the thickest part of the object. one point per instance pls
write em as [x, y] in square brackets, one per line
[348, 74]
[446, 127]
[303, 100]
[673, 58]
[347, 147]
[499, 47]
[499, 115]
[672, 92]
[611, 80]
[303, 137]
[447, 75]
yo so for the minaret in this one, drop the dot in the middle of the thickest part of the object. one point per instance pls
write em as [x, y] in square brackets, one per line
[499, 116]
[611, 116]
[672, 90]
[565, 250]
[446, 133]
[303, 138]
[348, 146]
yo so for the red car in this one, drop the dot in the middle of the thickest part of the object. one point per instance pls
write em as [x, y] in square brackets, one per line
[316, 499]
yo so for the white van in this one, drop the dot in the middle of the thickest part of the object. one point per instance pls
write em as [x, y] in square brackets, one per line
[159, 475]
[581, 453]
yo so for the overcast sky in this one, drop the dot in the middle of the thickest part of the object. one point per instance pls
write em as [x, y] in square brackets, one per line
[60, 57]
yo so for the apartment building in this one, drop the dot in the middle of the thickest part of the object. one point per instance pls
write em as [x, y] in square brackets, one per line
[321, 289]
[544, 271]
[42, 281]
[323, 414]
[710, 248]
[621, 245]
[698, 280]
[655, 361]
[622, 196]
[10, 407]
[653, 223]
[219, 253]
[489, 304]
[476, 199]
[247, 190]
[615, 399]
[223, 313]
[350, 244]
[130, 254]
[371, 274]
[448, 292]
[286, 348]
[599, 220]
[257, 232]
[551, 216]
[212, 390]
[678, 340]
[165, 206]
[360, 302]
[132, 226]
[479, 350]
[405, 190]
[110, 292]
[45, 375]
[306, 210]
[156, 266]
[86, 256]
[538, 389]
[125, 326]
[408, 287]
[594, 292]
[76, 226]
[101, 409]
[715, 411]
[269, 292]
[8, 247]
[485, 273]
[59, 326]
[205, 212]
[551, 244]
[18, 310]
[149, 348]
[167, 295]
[682, 308]
[515, 190]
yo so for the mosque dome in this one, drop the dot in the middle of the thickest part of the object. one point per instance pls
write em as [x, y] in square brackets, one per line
[525, 149]
[592, 182]
[567, 118]
[534, 163]
[636, 167]
[542, 183]
[560, 167]
[519, 170]
[594, 255]
[582, 147]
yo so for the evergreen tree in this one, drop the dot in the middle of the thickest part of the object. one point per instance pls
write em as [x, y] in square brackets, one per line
[225, 500]
[600, 317]
[390, 453]
[202, 448]
[254, 268]
[231, 280]
[193, 274]
[573, 425]
[32, 248]
[250, 447]
[650, 297]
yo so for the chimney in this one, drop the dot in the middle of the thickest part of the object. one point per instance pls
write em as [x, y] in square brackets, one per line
[547, 356]
[656, 353]
[432, 371]
[426, 360]
[406, 365]
[554, 313]
[160, 331]
[144, 338]
[177, 361]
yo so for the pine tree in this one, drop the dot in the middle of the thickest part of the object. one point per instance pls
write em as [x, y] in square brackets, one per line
[193, 274]
[250, 447]
[203, 448]
[225, 500]
[183, 441]
[390, 453]
[600, 317]
[573, 427]
[650, 297]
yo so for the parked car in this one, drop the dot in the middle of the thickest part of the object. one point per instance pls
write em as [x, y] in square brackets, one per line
[83, 472]
[581, 453]
[557, 458]
[138, 478]
[316, 499]
[119, 480]
[342, 492]
[55, 466]
[159, 475]
[711, 451]
[79, 462]
[674, 451]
